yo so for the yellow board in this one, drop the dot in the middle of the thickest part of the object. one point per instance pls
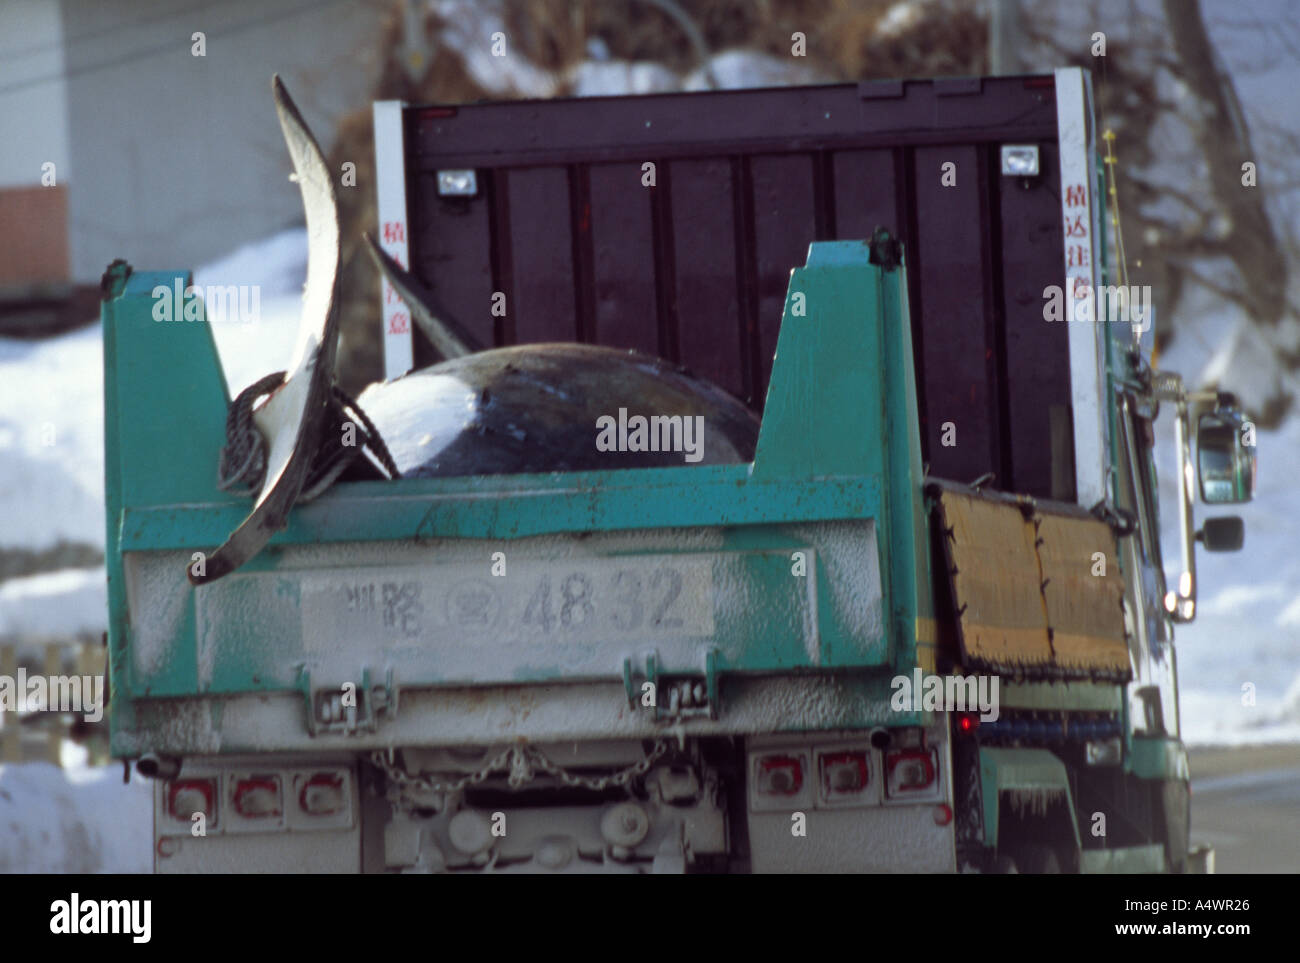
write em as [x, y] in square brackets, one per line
[1026, 596]
[1084, 593]
[995, 583]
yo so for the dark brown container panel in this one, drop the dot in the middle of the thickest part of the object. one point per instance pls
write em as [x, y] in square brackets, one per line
[669, 224]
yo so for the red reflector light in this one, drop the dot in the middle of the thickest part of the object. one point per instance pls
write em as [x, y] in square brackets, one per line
[942, 814]
[1031, 82]
[780, 776]
[322, 794]
[968, 722]
[185, 797]
[257, 797]
[909, 771]
[435, 112]
[844, 773]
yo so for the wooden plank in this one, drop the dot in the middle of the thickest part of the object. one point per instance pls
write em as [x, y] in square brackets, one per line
[1084, 593]
[785, 222]
[451, 252]
[1037, 351]
[956, 350]
[623, 244]
[705, 282]
[1030, 594]
[995, 578]
[541, 248]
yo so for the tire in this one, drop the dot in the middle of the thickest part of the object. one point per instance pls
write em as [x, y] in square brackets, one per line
[1038, 860]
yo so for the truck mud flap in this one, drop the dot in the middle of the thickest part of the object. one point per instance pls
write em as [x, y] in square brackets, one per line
[1036, 594]
[1027, 779]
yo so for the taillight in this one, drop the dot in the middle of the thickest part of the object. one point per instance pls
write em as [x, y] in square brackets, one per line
[257, 797]
[780, 775]
[322, 794]
[909, 771]
[844, 773]
[185, 797]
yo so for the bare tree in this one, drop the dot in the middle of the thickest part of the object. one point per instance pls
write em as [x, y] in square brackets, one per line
[1195, 205]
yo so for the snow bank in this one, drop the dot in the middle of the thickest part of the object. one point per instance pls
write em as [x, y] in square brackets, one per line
[734, 69]
[52, 441]
[56, 605]
[75, 821]
[471, 28]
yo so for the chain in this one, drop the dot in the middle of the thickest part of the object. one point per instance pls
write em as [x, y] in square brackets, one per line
[619, 778]
[520, 760]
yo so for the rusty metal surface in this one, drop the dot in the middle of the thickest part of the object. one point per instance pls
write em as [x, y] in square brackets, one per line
[534, 408]
[1026, 598]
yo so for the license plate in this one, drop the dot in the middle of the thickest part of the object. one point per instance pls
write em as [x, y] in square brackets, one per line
[534, 603]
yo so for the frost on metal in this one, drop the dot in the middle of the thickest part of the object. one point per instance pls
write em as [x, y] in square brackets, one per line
[1033, 802]
[156, 595]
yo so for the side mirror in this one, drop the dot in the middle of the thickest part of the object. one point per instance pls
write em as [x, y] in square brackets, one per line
[1225, 463]
[1226, 534]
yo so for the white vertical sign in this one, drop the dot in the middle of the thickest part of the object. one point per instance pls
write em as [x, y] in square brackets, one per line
[390, 177]
[1079, 213]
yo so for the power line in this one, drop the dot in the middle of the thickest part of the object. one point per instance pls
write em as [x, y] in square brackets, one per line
[95, 34]
[166, 47]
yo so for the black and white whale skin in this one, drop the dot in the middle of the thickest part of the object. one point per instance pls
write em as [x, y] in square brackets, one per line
[535, 408]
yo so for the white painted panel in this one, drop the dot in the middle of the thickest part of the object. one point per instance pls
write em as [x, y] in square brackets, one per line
[1079, 213]
[391, 186]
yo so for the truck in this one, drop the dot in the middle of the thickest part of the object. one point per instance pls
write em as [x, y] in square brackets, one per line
[917, 620]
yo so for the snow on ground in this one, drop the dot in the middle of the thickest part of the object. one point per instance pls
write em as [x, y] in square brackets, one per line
[56, 605]
[74, 820]
[52, 441]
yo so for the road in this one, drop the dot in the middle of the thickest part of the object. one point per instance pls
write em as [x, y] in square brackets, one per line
[1246, 804]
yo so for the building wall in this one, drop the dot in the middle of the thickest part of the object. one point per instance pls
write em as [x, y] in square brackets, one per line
[179, 157]
[33, 133]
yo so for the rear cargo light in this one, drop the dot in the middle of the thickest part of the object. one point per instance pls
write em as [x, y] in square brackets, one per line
[185, 797]
[909, 771]
[457, 183]
[844, 773]
[1020, 160]
[780, 775]
[257, 797]
[322, 794]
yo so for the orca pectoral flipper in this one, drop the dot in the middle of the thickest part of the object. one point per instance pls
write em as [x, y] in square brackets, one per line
[293, 418]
